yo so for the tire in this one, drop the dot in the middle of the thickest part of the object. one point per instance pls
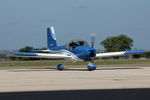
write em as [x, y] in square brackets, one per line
[60, 67]
[90, 68]
[94, 67]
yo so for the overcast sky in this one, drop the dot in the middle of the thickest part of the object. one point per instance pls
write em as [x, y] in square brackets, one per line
[24, 22]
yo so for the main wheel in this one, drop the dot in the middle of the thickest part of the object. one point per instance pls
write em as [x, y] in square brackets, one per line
[60, 67]
[94, 67]
[91, 67]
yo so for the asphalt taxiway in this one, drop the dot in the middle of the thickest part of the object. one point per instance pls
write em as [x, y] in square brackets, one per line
[131, 81]
[72, 78]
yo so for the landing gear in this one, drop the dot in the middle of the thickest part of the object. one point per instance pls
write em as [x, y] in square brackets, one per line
[60, 67]
[91, 66]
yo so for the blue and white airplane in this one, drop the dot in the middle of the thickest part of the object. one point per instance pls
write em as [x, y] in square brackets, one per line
[75, 50]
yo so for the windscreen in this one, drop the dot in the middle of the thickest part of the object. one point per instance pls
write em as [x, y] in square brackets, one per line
[73, 44]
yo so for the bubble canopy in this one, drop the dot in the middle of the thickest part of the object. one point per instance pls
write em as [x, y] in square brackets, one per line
[73, 44]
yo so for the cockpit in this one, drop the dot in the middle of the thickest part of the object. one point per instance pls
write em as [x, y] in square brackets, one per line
[73, 44]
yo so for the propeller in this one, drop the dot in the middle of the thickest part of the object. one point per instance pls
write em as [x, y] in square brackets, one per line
[93, 37]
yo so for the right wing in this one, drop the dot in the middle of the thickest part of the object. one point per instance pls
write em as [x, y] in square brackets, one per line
[41, 55]
[60, 54]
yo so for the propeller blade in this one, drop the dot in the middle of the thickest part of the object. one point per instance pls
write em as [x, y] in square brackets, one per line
[93, 37]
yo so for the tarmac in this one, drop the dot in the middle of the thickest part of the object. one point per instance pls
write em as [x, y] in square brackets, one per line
[74, 78]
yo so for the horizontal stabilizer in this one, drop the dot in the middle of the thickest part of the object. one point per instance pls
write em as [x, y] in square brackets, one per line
[39, 51]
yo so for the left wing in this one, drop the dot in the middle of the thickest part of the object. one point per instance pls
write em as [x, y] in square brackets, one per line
[121, 53]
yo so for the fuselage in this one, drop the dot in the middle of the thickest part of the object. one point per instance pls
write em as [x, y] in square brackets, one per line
[85, 53]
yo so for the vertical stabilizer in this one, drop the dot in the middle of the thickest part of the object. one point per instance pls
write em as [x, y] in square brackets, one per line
[51, 38]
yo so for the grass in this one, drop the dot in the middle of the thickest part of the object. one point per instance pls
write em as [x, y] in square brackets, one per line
[54, 63]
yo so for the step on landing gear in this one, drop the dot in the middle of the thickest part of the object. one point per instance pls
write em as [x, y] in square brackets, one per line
[91, 66]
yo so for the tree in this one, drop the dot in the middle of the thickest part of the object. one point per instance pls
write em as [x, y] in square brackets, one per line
[43, 48]
[26, 49]
[117, 43]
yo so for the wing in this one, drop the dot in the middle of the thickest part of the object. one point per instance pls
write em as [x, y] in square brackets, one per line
[40, 51]
[41, 55]
[110, 54]
[60, 54]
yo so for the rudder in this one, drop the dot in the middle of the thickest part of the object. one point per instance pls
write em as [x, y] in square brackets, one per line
[51, 38]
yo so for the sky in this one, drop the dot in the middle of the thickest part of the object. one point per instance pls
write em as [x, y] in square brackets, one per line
[24, 22]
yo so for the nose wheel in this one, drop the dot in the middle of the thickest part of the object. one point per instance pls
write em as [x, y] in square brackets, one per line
[91, 66]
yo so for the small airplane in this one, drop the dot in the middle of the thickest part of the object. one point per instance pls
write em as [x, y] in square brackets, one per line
[75, 50]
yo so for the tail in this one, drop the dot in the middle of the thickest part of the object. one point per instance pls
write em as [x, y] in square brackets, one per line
[51, 38]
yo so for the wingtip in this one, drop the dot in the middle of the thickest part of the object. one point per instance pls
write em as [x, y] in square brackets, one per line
[135, 51]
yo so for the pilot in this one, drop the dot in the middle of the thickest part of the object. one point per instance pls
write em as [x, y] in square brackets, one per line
[72, 45]
[81, 43]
